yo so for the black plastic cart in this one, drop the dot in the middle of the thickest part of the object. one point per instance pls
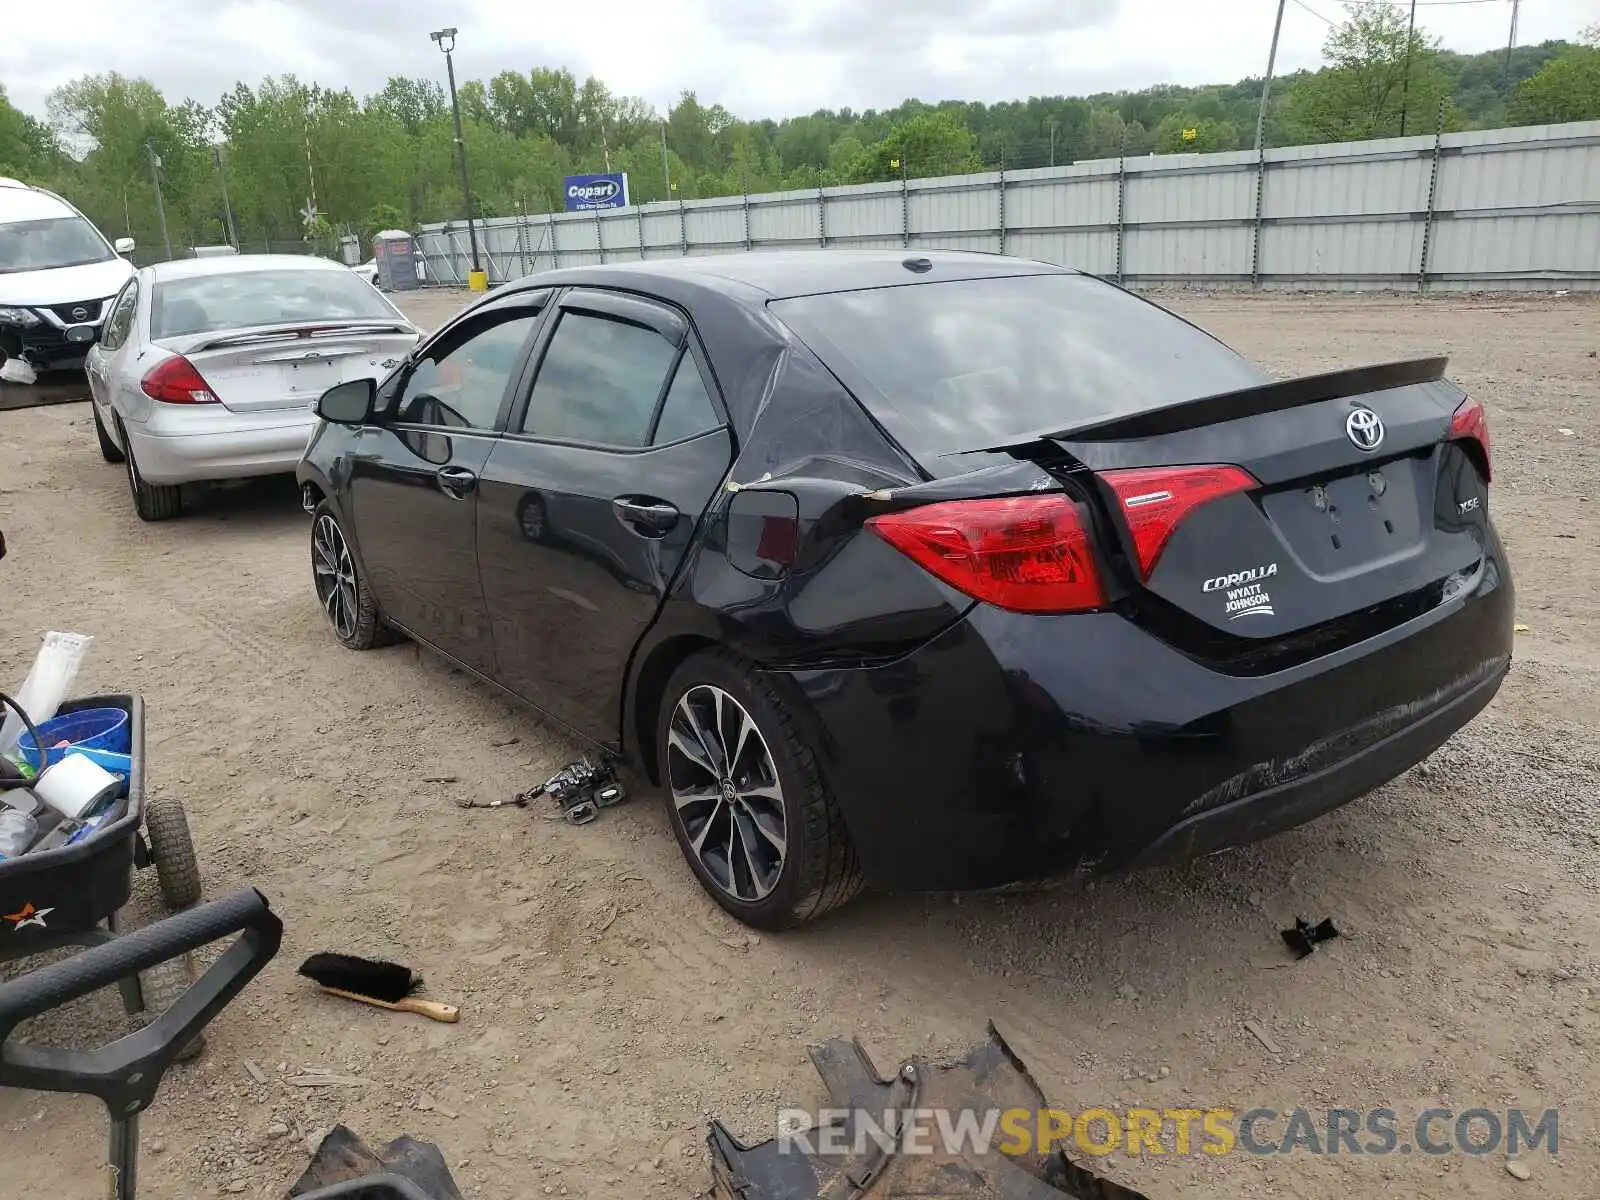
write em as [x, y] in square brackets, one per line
[125, 1074]
[71, 895]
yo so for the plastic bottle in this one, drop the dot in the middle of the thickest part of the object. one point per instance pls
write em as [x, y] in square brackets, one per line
[18, 832]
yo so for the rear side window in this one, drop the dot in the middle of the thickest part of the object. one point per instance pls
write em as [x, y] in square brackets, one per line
[599, 382]
[687, 409]
[974, 363]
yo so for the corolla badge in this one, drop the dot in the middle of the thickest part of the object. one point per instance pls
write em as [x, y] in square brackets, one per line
[1364, 428]
[1246, 593]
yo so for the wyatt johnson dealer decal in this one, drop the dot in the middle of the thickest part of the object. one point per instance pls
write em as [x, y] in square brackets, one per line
[1244, 593]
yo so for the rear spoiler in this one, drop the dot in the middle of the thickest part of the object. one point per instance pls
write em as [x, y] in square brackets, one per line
[1247, 402]
[294, 330]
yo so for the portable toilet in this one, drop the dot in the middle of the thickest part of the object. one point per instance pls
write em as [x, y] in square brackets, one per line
[395, 252]
[350, 250]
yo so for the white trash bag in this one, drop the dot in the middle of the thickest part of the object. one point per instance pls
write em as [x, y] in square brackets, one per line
[47, 685]
[14, 370]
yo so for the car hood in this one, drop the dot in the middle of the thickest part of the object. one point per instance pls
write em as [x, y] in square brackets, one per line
[62, 285]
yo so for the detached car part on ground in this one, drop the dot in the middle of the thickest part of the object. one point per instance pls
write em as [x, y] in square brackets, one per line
[884, 1141]
[937, 572]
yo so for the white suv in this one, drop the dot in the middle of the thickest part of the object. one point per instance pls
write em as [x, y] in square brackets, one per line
[58, 274]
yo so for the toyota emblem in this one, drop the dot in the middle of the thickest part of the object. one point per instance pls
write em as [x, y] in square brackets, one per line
[80, 313]
[1364, 429]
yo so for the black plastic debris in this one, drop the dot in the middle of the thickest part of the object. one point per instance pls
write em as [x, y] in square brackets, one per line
[870, 1153]
[1303, 938]
[347, 1168]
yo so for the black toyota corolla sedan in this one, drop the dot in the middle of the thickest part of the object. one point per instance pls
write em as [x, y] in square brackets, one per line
[922, 571]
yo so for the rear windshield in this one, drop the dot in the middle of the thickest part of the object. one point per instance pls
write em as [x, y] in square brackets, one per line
[49, 243]
[240, 299]
[975, 363]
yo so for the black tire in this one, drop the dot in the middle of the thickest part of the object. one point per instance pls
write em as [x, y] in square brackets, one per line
[161, 986]
[817, 870]
[108, 448]
[166, 826]
[354, 617]
[152, 501]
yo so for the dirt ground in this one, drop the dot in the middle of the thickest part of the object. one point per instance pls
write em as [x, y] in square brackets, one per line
[608, 1006]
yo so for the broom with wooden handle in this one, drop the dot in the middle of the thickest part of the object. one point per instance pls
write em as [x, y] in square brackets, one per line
[370, 981]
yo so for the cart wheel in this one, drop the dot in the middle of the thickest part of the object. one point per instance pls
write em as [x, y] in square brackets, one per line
[172, 851]
[162, 984]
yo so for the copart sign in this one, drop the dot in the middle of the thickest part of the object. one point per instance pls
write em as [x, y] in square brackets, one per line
[587, 192]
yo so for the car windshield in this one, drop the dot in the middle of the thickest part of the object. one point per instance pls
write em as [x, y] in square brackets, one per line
[975, 363]
[243, 299]
[52, 242]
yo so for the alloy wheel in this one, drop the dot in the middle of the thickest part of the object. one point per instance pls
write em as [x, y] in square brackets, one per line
[726, 793]
[334, 572]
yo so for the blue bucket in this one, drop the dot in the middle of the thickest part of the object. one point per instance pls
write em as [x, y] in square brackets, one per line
[103, 734]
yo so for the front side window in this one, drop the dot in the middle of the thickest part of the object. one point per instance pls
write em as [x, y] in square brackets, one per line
[461, 381]
[52, 242]
[599, 382]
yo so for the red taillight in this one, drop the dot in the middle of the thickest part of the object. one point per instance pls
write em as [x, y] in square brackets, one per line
[1154, 500]
[1471, 424]
[1024, 553]
[175, 381]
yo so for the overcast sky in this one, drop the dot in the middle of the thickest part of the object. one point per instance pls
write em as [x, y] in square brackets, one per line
[759, 58]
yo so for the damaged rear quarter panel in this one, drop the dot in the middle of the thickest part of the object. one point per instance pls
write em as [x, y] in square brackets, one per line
[844, 598]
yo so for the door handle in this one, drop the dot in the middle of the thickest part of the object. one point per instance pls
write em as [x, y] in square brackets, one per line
[652, 518]
[456, 482]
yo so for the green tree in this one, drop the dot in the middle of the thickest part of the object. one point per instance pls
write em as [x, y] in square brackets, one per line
[930, 143]
[1567, 88]
[28, 147]
[120, 121]
[1376, 70]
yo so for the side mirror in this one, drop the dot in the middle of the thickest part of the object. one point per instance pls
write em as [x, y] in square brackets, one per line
[123, 245]
[349, 403]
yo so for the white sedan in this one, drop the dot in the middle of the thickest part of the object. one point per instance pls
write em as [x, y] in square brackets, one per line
[210, 368]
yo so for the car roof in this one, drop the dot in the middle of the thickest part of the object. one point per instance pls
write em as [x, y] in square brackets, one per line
[235, 264]
[780, 274]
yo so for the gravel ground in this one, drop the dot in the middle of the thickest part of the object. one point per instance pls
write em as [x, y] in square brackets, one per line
[608, 1006]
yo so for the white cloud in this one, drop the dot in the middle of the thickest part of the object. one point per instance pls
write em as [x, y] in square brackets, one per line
[756, 57]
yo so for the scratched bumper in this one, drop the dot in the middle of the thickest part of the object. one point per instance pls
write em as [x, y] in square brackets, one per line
[1015, 749]
[1249, 807]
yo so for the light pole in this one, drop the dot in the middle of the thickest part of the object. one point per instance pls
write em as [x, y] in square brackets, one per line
[445, 39]
[161, 209]
[1266, 84]
[1405, 80]
[227, 208]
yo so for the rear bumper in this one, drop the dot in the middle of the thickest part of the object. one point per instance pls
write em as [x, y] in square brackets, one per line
[1014, 749]
[221, 454]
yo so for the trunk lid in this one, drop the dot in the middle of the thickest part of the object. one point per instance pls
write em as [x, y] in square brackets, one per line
[1360, 506]
[278, 369]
